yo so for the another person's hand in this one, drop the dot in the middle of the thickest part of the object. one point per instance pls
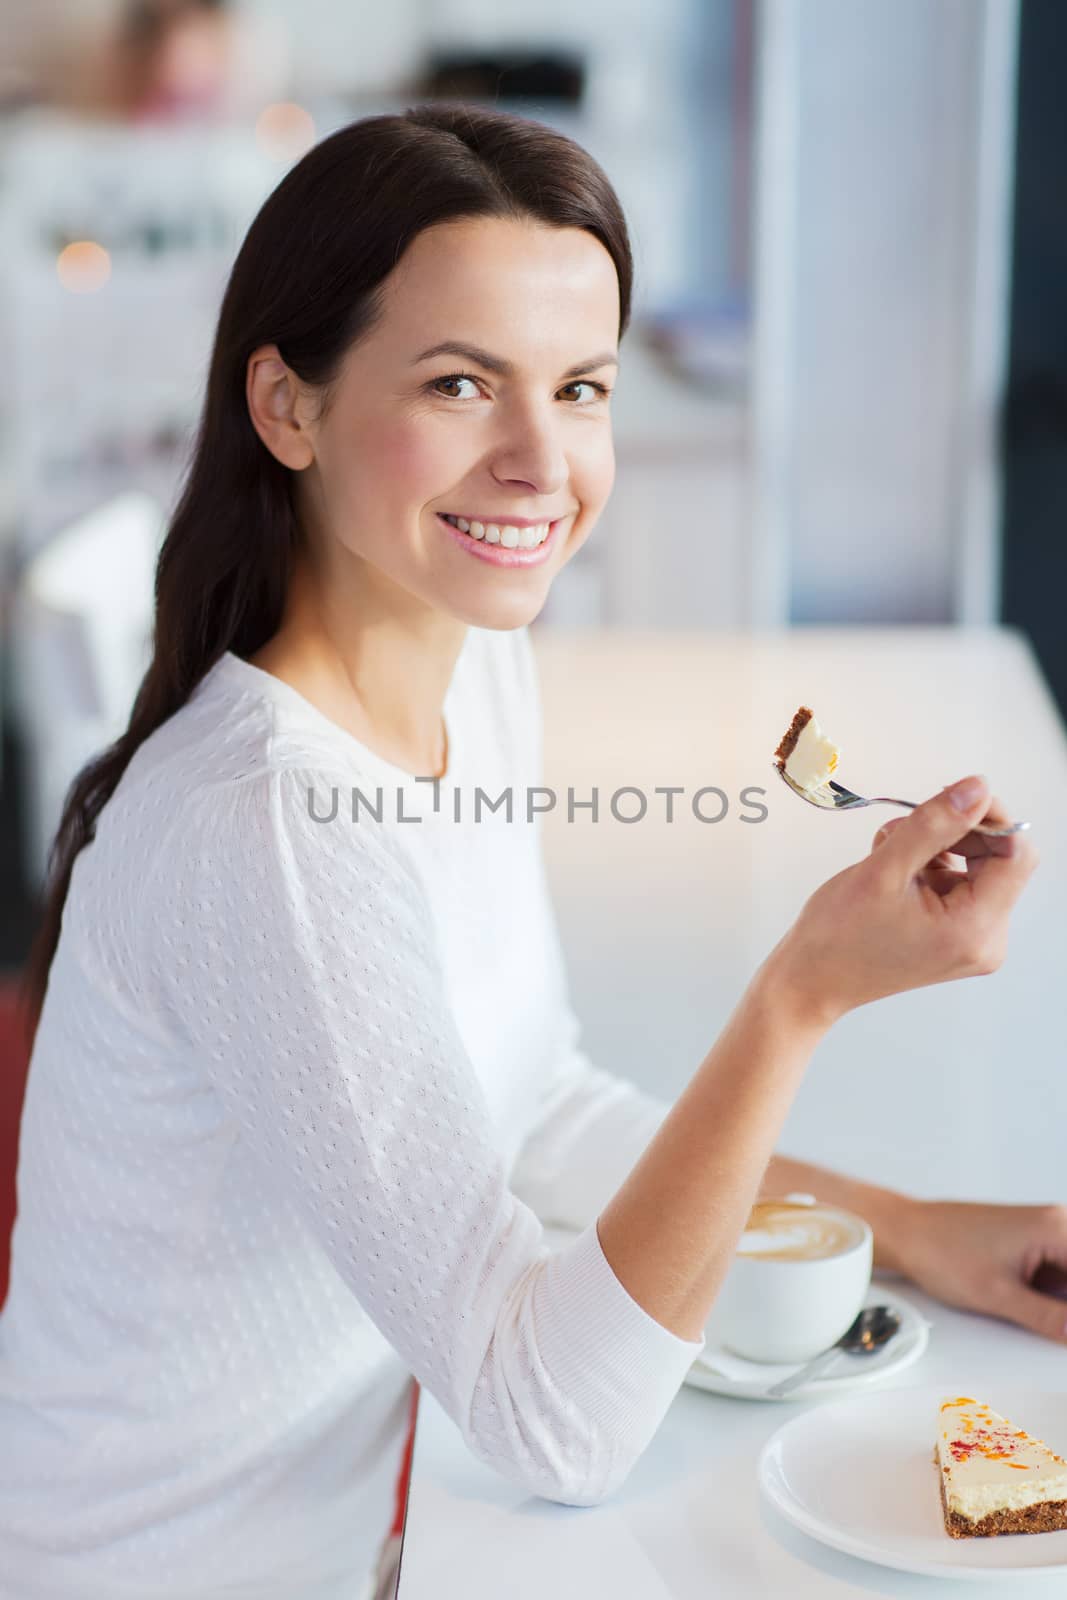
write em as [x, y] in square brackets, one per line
[930, 903]
[1007, 1261]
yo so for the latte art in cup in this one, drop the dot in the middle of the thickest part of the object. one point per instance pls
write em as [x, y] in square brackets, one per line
[799, 1275]
[779, 1231]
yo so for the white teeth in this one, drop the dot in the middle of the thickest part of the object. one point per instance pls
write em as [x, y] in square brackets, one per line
[511, 537]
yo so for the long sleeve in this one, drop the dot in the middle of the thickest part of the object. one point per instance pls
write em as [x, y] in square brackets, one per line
[589, 1126]
[297, 964]
[590, 1129]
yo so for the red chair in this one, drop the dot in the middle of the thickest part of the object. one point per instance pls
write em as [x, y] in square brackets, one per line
[386, 1575]
[14, 1063]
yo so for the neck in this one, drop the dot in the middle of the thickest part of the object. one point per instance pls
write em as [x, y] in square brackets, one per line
[371, 657]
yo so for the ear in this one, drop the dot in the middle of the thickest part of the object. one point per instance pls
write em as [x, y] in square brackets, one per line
[275, 405]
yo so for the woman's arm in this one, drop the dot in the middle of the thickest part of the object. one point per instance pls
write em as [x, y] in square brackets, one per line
[586, 1132]
[672, 1229]
[895, 921]
[1006, 1261]
[592, 1125]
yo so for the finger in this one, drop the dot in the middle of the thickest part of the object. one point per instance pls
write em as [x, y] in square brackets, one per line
[1041, 1313]
[972, 844]
[943, 872]
[1050, 1279]
[940, 823]
[984, 844]
[998, 881]
[942, 880]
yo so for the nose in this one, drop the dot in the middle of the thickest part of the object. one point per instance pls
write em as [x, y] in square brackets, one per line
[530, 452]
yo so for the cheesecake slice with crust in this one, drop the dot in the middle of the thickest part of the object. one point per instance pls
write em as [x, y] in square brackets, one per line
[995, 1477]
[805, 754]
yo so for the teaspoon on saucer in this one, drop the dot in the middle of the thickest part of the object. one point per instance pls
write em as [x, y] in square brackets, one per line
[873, 1328]
[831, 796]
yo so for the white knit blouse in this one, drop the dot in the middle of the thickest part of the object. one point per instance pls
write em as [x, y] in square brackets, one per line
[304, 1090]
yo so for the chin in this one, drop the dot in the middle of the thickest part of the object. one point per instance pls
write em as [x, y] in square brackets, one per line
[501, 612]
[504, 618]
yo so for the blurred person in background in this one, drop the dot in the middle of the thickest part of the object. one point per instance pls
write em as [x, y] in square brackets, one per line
[172, 59]
[149, 61]
[304, 1087]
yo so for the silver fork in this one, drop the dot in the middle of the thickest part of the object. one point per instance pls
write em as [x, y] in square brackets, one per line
[833, 796]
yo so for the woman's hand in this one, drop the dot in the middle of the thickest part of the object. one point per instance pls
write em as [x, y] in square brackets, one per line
[931, 902]
[1003, 1261]
[1006, 1261]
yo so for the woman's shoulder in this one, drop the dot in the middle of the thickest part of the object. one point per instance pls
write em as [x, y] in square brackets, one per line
[229, 779]
[245, 754]
[239, 727]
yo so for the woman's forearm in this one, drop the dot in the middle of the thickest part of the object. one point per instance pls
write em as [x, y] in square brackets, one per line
[889, 1213]
[670, 1231]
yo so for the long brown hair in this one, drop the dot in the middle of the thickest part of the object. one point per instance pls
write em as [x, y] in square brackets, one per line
[306, 279]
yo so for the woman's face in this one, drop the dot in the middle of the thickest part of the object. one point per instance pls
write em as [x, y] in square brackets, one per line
[513, 430]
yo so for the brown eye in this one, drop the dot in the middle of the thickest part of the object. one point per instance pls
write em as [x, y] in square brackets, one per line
[600, 390]
[453, 377]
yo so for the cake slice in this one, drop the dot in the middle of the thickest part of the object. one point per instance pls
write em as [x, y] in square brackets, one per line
[995, 1478]
[805, 753]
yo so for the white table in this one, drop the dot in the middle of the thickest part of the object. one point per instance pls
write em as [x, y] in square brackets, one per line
[662, 926]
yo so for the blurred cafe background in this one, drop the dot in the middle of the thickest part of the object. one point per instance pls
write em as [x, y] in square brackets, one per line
[843, 398]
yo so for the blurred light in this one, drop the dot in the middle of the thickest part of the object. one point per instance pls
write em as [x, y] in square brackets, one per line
[285, 131]
[83, 267]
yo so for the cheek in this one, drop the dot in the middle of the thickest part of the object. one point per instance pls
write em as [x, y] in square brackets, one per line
[598, 473]
[411, 458]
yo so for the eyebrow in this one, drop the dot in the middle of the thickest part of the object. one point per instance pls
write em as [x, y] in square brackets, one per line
[506, 369]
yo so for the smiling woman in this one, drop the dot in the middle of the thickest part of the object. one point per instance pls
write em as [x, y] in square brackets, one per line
[414, 482]
[214, 1316]
[329, 454]
[292, 1126]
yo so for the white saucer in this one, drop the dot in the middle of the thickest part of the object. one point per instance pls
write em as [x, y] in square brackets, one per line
[750, 1380]
[860, 1476]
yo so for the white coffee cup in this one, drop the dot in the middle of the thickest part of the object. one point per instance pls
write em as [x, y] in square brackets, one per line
[800, 1276]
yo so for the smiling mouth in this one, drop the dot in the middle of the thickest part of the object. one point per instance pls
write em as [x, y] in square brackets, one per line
[501, 533]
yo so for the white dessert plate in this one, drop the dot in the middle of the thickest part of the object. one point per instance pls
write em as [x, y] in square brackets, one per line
[859, 1476]
[750, 1380]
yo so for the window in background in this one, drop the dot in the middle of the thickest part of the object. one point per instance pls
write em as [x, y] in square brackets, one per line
[1035, 422]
